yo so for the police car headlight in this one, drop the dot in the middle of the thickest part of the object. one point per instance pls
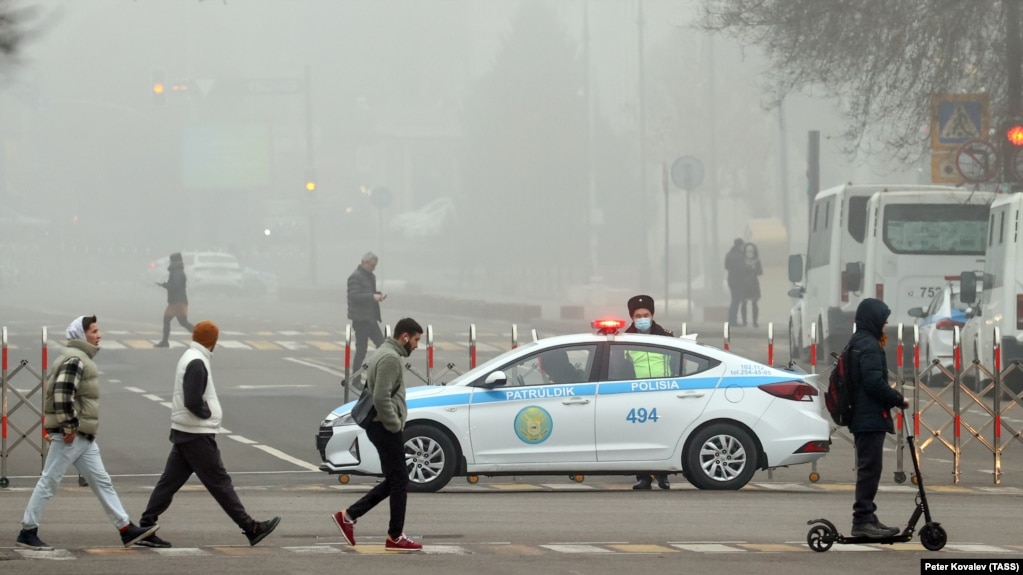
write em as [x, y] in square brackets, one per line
[335, 419]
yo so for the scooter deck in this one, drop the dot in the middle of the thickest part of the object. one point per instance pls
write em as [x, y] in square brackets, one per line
[897, 538]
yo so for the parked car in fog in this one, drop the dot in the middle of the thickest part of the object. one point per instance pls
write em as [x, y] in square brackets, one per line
[204, 270]
[430, 220]
[936, 322]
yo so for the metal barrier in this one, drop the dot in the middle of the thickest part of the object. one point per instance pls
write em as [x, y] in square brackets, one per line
[25, 433]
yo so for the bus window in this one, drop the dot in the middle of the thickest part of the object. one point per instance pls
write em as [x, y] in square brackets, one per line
[935, 229]
[858, 217]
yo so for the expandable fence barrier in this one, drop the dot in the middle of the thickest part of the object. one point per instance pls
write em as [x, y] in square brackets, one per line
[24, 427]
[950, 399]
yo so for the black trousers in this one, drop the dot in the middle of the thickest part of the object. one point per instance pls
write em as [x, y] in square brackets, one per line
[391, 448]
[869, 457]
[202, 457]
[365, 330]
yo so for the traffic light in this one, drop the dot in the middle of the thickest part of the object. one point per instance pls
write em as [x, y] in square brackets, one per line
[310, 185]
[159, 87]
[1012, 151]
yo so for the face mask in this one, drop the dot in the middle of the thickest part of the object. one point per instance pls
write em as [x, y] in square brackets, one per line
[643, 324]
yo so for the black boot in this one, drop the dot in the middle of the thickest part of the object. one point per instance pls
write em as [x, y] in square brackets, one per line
[643, 483]
[662, 481]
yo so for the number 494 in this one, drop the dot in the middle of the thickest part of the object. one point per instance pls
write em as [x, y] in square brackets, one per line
[641, 415]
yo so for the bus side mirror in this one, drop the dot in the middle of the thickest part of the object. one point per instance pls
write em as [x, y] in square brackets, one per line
[968, 287]
[795, 268]
[854, 276]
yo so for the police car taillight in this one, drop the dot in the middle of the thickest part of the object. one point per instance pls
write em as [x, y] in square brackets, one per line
[791, 390]
[607, 326]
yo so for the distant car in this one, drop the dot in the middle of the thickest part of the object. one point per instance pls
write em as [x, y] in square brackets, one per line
[204, 270]
[430, 220]
[582, 404]
[936, 322]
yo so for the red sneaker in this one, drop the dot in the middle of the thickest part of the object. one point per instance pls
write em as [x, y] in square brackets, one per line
[346, 527]
[402, 543]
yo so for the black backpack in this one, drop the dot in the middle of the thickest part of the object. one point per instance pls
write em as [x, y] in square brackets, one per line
[839, 397]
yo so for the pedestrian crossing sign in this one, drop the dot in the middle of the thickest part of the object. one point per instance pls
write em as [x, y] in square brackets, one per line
[957, 119]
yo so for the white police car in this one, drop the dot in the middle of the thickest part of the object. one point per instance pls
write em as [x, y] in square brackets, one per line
[604, 403]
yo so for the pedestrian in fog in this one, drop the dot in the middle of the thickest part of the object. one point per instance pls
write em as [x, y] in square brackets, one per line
[385, 381]
[177, 299]
[734, 266]
[364, 307]
[71, 418]
[751, 272]
[195, 422]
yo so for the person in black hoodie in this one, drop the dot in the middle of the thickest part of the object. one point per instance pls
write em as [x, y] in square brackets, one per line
[641, 310]
[874, 397]
[177, 299]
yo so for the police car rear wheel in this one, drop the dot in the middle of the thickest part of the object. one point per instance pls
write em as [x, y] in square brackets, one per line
[720, 456]
[429, 458]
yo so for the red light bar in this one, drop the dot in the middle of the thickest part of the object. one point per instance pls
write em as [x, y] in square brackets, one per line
[607, 326]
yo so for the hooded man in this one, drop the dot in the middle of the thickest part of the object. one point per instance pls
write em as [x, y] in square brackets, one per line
[871, 420]
[195, 422]
[647, 365]
[71, 418]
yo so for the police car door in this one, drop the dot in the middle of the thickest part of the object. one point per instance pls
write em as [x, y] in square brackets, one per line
[544, 413]
[650, 395]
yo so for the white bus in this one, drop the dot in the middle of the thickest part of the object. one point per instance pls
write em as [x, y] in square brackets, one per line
[1000, 304]
[899, 244]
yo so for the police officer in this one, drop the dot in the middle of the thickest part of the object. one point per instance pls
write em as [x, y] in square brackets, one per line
[647, 365]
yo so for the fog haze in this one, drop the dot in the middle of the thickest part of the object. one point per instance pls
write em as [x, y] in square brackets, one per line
[535, 133]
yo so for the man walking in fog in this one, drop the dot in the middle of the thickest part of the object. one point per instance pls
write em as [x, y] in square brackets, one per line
[735, 266]
[195, 422]
[364, 307]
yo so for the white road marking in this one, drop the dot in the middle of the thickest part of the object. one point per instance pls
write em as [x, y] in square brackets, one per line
[323, 368]
[241, 439]
[284, 456]
[577, 549]
[152, 397]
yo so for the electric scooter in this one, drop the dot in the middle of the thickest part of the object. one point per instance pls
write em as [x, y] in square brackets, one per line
[824, 534]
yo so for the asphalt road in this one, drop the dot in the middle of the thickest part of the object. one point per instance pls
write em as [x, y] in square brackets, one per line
[274, 396]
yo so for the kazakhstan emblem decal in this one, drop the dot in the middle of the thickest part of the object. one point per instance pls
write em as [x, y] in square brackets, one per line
[533, 424]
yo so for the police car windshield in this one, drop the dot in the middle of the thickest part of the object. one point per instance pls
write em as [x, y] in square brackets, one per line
[492, 364]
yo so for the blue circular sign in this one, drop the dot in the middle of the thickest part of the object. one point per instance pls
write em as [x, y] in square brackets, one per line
[533, 424]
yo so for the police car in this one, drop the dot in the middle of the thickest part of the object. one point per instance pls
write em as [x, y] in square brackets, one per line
[604, 403]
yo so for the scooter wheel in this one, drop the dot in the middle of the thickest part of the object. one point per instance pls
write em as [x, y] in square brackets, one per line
[814, 477]
[900, 477]
[820, 538]
[933, 537]
[343, 479]
[916, 479]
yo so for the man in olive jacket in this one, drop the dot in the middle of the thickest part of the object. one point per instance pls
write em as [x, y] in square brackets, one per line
[871, 420]
[386, 382]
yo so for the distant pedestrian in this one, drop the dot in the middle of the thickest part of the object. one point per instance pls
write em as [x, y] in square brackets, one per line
[734, 266]
[385, 380]
[71, 418]
[750, 282]
[177, 299]
[195, 422]
[364, 307]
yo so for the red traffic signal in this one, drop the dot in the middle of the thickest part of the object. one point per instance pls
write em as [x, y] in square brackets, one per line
[1014, 134]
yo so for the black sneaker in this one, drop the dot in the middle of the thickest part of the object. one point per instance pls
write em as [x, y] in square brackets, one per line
[132, 533]
[662, 482]
[870, 531]
[260, 529]
[29, 539]
[154, 542]
[892, 530]
[643, 483]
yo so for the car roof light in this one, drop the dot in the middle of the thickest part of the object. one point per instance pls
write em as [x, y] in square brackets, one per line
[607, 326]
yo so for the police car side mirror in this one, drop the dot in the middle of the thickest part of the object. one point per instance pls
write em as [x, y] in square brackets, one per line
[495, 379]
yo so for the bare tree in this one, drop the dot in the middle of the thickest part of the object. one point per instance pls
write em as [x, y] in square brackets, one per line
[882, 61]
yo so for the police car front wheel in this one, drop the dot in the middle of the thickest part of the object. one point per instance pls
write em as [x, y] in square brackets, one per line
[430, 458]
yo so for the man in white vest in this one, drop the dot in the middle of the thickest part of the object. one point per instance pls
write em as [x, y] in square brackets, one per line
[195, 422]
